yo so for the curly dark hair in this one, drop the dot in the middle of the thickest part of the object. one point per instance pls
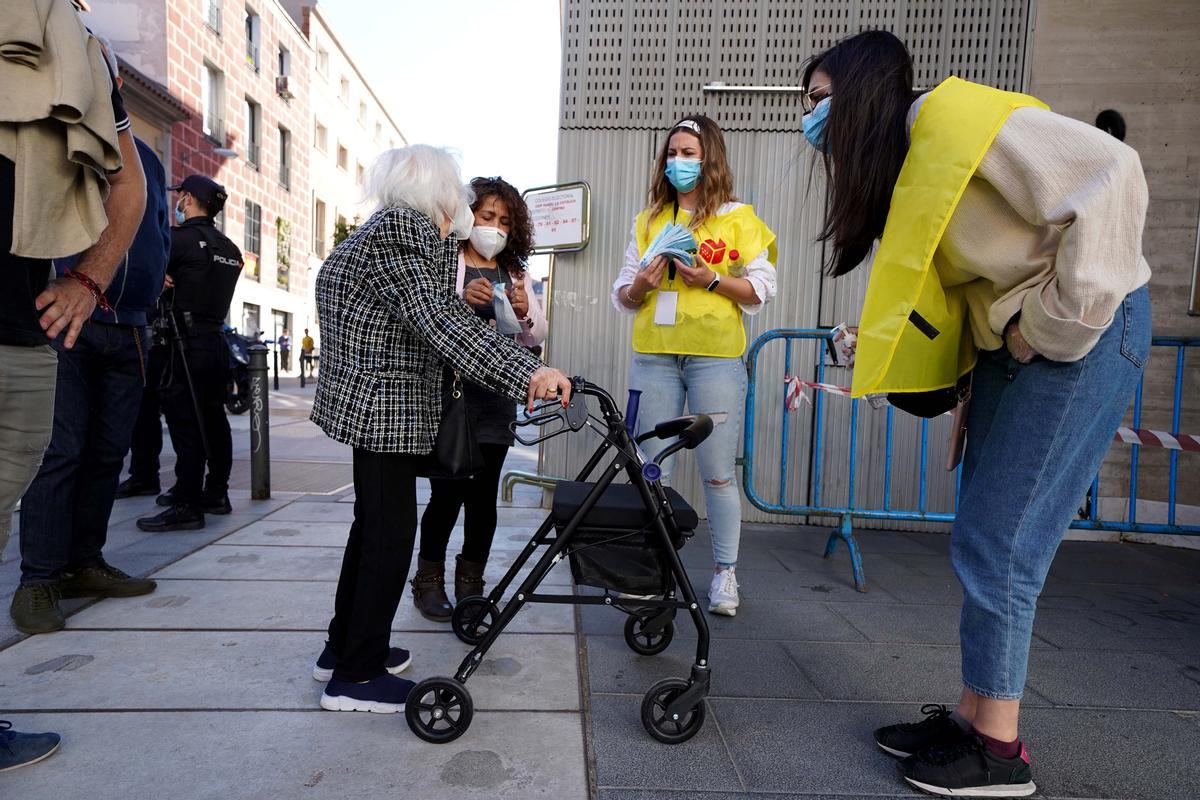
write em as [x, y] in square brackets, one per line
[515, 255]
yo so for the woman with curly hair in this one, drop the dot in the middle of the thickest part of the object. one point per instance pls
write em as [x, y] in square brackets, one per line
[495, 254]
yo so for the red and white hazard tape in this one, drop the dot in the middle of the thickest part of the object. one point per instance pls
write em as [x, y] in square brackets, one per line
[1140, 436]
[1170, 441]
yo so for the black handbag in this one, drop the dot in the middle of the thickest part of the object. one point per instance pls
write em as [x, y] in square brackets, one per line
[456, 452]
[935, 403]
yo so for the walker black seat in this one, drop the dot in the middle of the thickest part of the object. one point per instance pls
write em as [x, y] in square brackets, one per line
[620, 507]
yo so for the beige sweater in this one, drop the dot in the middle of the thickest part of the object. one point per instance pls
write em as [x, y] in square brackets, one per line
[56, 126]
[1050, 226]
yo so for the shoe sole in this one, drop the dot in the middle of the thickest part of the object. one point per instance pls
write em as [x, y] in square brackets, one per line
[183, 526]
[102, 594]
[343, 703]
[722, 610]
[1007, 790]
[892, 751]
[42, 757]
[322, 675]
[38, 631]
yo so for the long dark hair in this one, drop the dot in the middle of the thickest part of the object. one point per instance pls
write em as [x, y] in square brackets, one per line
[866, 139]
[515, 255]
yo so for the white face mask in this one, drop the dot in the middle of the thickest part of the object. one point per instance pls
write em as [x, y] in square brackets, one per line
[464, 218]
[488, 241]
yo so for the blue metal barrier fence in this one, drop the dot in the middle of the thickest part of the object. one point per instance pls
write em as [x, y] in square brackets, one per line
[849, 510]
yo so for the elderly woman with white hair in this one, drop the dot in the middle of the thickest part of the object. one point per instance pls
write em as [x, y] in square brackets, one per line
[390, 318]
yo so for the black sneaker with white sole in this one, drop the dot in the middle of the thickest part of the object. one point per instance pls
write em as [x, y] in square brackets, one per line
[907, 738]
[383, 695]
[398, 660]
[969, 769]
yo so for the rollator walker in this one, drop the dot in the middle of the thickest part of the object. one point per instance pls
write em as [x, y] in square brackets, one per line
[622, 538]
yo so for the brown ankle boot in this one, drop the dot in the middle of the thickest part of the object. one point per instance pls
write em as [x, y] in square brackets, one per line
[468, 579]
[429, 591]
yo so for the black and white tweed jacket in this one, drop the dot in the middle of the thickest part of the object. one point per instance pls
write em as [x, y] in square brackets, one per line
[389, 319]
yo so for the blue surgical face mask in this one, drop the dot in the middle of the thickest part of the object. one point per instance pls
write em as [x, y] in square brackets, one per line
[179, 217]
[814, 124]
[683, 173]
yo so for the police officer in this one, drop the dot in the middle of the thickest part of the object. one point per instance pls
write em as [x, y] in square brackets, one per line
[202, 274]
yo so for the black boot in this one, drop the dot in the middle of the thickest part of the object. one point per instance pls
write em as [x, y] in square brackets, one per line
[132, 487]
[468, 578]
[429, 591]
[178, 517]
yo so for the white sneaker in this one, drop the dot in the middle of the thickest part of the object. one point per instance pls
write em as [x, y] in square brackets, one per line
[723, 593]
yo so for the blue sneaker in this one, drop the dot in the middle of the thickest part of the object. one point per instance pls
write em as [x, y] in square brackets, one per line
[397, 661]
[22, 749]
[383, 695]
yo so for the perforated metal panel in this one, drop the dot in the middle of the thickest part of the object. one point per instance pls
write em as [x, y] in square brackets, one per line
[633, 67]
[644, 63]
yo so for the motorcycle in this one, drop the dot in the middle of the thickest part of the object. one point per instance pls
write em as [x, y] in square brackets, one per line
[237, 393]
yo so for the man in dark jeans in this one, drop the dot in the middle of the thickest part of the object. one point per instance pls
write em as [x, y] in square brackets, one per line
[204, 270]
[65, 511]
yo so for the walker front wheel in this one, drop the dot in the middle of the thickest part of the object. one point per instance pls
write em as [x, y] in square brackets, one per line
[660, 722]
[439, 710]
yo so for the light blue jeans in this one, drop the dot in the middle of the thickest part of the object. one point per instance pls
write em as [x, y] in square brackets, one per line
[1037, 434]
[708, 385]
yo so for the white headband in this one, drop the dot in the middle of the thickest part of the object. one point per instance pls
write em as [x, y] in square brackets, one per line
[690, 124]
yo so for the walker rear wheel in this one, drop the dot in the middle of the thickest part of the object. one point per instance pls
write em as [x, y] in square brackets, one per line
[660, 723]
[644, 642]
[473, 617]
[439, 710]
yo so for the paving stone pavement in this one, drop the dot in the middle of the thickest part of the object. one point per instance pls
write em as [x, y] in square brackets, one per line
[204, 688]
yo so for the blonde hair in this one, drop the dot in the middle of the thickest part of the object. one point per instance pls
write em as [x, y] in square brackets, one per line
[716, 179]
[421, 177]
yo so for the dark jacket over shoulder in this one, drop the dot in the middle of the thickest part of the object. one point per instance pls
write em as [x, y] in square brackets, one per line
[138, 280]
[389, 318]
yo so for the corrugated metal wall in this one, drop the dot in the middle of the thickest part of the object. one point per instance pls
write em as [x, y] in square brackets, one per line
[633, 67]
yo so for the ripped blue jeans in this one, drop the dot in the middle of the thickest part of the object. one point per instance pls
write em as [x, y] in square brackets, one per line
[707, 385]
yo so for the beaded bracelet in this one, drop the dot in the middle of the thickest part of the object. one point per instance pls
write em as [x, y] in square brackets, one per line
[92, 286]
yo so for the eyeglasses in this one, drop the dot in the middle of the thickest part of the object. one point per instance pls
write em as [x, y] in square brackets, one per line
[809, 100]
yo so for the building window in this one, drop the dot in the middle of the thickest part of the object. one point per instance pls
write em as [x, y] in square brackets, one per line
[343, 157]
[212, 9]
[285, 62]
[253, 133]
[378, 133]
[250, 320]
[323, 61]
[212, 101]
[285, 157]
[344, 91]
[283, 250]
[319, 229]
[321, 138]
[360, 175]
[253, 38]
[253, 239]
[362, 114]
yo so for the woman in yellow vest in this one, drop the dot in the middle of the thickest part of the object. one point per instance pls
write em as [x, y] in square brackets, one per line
[688, 335]
[1009, 266]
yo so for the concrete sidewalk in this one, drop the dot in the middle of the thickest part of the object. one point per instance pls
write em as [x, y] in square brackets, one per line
[204, 689]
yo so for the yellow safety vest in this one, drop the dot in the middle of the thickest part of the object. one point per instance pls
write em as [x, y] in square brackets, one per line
[913, 334]
[706, 323]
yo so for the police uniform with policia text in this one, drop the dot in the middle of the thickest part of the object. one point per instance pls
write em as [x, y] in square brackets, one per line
[205, 266]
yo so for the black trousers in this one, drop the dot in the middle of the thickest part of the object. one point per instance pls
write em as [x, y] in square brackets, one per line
[208, 360]
[448, 497]
[146, 444]
[375, 565]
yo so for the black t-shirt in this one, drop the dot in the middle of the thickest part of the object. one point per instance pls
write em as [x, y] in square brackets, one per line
[205, 266]
[23, 279]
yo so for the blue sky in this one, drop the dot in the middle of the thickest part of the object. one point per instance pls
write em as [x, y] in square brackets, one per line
[479, 76]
